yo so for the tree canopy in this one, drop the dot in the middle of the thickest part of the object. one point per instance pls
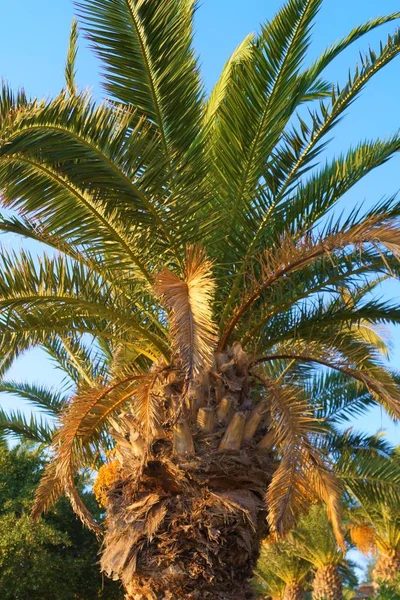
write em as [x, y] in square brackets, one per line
[53, 558]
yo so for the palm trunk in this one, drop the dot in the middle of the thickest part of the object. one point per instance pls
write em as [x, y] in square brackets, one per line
[293, 591]
[387, 569]
[191, 529]
[186, 521]
[327, 584]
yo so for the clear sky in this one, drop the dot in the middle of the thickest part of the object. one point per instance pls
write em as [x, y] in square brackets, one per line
[33, 42]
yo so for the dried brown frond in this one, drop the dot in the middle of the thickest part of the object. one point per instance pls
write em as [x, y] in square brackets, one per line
[290, 254]
[292, 421]
[78, 506]
[193, 330]
[376, 379]
[48, 492]
[302, 477]
[80, 423]
[327, 489]
[363, 536]
[146, 407]
[51, 487]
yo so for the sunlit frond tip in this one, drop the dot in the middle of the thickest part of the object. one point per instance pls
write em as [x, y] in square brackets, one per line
[189, 302]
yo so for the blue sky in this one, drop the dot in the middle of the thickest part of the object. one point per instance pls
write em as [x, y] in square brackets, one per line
[33, 42]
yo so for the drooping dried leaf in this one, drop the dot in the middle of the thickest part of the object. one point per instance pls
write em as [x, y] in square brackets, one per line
[80, 425]
[327, 489]
[302, 476]
[48, 492]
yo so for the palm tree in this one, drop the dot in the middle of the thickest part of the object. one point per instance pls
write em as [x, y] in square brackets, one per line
[315, 542]
[191, 243]
[278, 563]
[268, 585]
[375, 528]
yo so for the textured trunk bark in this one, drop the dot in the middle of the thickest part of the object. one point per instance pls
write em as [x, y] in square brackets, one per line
[238, 594]
[327, 584]
[387, 568]
[185, 520]
[191, 528]
[293, 591]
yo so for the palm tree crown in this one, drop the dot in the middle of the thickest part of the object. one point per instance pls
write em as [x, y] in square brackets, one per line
[195, 247]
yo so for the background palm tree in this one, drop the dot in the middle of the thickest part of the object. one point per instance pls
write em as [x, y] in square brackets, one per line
[315, 542]
[279, 563]
[193, 246]
[375, 528]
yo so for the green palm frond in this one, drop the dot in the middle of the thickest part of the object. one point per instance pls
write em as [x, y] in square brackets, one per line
[289, 256]
[17, 424]
[54, 281]
[321, 191]
[135, 41]
[80, 362]
[280, 560]
[48, 400]
[253, 115]
[11, 102]
[337, 398]
[242, 54]
[369, 476]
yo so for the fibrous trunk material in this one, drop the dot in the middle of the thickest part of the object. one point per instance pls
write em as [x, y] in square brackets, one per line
[327, 584]
[293, 591]
[186, 518]
[387, 568]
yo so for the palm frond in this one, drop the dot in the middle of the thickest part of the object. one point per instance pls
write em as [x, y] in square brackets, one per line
[51, 401]
[302, 475]
[337, 397]
[295, 153]
[117, 166]
[56, 282]
[11, 102]
[48, 492]
[355, 34]
[252, 117]
[369, 477]
[76, 359]
[189, 301]
[71, 59]
[146, 407]
[356, 363]
[135, 40]
[314, 539]
[17, 424]
[280, 560]
[322, 190]
[290, 255]
[243, 53]
[81, 425]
